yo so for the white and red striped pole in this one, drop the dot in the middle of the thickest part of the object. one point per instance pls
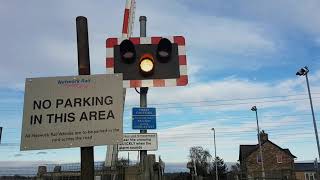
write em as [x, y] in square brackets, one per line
[127, 26]
[128, 18]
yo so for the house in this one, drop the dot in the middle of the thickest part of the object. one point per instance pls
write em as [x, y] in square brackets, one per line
[278, 162]
[305, 171]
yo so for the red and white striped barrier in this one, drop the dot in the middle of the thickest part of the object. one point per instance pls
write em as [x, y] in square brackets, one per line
[179, 40]
[128, 18]
[127, 27]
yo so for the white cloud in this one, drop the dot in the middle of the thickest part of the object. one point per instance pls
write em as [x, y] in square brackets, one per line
[228, 136]
[291, 15]
[216, 34]
[274, 113]
[234, 89]
[51, 48]
[223, 35]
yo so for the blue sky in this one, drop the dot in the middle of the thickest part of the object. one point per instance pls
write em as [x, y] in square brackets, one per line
[240, 54]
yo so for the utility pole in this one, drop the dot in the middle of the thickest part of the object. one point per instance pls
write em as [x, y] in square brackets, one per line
[254, 108]
[304, 72]
[87, 160]
[143, 90]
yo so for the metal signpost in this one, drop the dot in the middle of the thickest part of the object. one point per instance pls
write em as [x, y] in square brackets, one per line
[0, 134]
[143, 90]
[147, 62]
[138, 142]
[144, 118]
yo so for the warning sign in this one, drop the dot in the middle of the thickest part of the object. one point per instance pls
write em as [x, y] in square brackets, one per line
[138, 142]
[72, 111]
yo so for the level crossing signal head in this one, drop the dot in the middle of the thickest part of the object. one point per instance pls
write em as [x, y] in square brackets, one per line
[148, 61]
[127, 52]
[164, 50]
[145, 60]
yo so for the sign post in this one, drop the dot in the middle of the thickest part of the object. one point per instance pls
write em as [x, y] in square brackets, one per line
[143, 90]
[147, 62]
[87, 153]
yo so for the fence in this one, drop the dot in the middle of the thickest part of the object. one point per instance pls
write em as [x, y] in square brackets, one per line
[101, 173]
[283, 174]
[149, 169]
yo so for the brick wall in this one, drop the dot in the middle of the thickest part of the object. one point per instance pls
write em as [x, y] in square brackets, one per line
[300, 175]
[271, 166]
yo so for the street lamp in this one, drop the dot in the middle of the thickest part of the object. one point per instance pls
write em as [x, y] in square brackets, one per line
[254, 108]
[215, 152]
[304, 72]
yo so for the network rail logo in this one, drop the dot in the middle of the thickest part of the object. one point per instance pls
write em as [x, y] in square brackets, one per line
[75, 83]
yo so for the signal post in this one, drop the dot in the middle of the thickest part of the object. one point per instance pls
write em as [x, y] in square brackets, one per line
[143, 90]
[147, 62]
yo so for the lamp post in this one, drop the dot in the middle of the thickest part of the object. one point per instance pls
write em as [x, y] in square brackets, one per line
[254, 108]
[215, 153]
[304, 72]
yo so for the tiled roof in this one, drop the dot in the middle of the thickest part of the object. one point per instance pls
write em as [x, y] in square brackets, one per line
[246, 150]
[303, 167]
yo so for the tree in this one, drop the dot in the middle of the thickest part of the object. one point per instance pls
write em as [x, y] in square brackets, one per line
[222, 168]
[201, 158]
[235, 172]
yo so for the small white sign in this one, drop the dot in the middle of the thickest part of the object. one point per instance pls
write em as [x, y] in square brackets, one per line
[138, 142]
[72, 111]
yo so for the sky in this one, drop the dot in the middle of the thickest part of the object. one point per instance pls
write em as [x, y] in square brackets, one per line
[239, 54]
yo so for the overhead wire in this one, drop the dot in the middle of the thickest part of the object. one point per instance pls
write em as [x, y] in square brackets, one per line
[236, 99]
[215, 100]
[228, 117]
[230, 104]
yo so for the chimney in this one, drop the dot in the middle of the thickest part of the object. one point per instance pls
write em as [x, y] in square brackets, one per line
[263, 136]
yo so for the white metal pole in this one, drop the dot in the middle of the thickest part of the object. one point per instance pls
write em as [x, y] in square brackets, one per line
[215, 153]
[304, 72]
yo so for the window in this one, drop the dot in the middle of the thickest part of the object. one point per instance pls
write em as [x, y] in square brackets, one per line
[258, 158]
[309, 176]
[279, 158]
[312, 177]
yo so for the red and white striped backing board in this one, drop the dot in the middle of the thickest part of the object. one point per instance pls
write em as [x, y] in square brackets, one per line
[179, 40]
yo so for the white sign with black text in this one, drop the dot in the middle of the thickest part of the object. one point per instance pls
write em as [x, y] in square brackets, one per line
[72, 111]
[138, 142]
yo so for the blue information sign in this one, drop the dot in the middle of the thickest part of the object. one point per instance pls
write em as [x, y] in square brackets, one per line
[143, 111]
[144, 118]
